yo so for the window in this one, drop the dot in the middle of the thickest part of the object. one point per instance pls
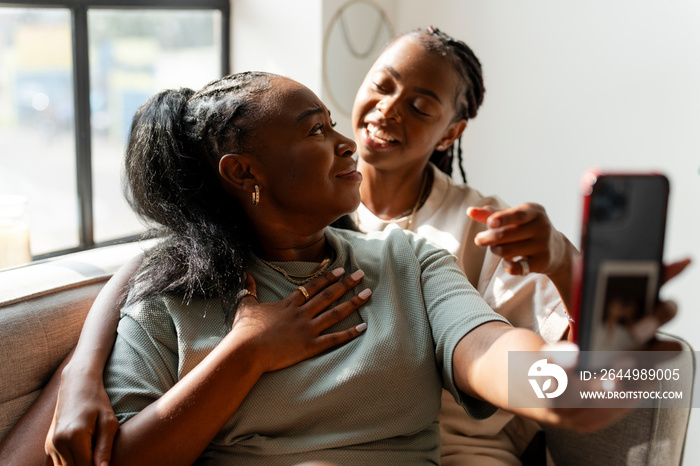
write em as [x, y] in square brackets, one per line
[72, 74]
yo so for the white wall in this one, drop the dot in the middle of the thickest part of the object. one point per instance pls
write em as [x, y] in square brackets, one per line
[344, 70]
[614, 84]
[570, 85]
[279, 36]
[287, 37]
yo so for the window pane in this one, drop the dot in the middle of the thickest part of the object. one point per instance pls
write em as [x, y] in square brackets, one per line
[133, 55]
[37, 143]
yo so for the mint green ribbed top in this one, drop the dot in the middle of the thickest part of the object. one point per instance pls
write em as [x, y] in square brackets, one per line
[374, 400]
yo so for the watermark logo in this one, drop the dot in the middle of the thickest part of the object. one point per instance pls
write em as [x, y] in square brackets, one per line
[602, 379]
[541, 369]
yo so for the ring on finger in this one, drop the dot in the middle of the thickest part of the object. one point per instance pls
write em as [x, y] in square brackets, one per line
[304, 292]
[524, 265]
[245, 292]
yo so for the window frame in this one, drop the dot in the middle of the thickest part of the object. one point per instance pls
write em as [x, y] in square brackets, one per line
[81, 91]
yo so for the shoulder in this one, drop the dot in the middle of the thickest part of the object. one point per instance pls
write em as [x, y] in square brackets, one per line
[169, 315]
[149, 320]
[148, 311]
[393, 243]
[179, 330]
[449, 197]
[392, 234]
[468, 194]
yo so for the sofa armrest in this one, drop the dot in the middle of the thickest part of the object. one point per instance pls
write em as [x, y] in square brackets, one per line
[649, 435]
[42, 309]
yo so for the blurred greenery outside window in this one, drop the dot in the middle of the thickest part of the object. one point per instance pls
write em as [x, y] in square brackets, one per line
[60, 169]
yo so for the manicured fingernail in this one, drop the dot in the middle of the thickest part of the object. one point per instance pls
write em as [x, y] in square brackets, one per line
[362, 327]
[338, 272]
[357, 275]
[364, 294]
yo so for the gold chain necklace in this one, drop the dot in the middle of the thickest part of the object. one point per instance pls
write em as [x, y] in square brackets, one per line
[419, 201]
[304, 278]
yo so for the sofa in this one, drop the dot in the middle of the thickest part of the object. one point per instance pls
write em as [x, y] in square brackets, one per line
[42, 309]
[43, 306]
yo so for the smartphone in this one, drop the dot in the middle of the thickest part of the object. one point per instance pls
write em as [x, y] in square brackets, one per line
[617, 280]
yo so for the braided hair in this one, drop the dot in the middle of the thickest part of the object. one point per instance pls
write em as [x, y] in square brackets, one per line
[468, 96]
[176, 141]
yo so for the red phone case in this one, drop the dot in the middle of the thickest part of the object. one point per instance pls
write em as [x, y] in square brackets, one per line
[622, 240]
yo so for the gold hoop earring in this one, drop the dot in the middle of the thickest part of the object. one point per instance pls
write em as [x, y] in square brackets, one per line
[256, 195]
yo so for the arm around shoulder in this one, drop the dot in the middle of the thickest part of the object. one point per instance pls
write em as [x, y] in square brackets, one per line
[84, 423]
[25, 443]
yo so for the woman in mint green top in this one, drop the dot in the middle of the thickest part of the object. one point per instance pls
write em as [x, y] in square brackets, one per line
[374, 400]
[295, 360]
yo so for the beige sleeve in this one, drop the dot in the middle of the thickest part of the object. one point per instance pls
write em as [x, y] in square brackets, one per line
[530, 301]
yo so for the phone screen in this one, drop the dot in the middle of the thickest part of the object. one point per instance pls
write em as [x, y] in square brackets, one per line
[622, 245]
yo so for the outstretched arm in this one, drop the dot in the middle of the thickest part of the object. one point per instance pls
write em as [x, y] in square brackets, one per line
[481, 370]
[481, 361]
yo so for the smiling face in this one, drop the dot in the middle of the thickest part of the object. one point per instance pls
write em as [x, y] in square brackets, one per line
[305, 170]
[405, 107]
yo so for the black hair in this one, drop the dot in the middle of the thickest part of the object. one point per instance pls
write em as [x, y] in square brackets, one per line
[468, 97]
[177, 139]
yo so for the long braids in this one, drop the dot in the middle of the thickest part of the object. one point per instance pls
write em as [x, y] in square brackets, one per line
[468, 98]
[171, 168]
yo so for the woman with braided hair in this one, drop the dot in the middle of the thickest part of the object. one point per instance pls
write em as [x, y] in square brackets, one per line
[408, 116]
